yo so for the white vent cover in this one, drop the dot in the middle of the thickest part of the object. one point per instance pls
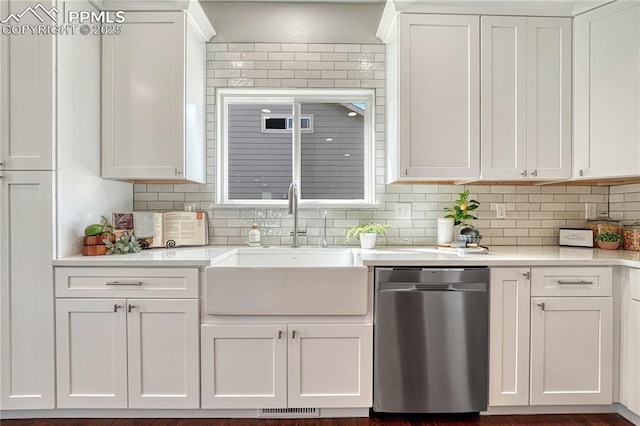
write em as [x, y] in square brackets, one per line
[289, 412]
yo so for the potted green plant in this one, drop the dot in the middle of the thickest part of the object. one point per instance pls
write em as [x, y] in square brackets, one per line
[456, 215]
[609, 240]
[461, 211]
[367, 233]
[127, 243]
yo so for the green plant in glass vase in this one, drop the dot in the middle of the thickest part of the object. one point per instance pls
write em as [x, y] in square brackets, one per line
[463, 208]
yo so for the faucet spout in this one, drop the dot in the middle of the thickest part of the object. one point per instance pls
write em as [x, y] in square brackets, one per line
[293, 209]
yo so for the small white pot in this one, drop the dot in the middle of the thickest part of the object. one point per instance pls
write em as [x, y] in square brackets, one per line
[445, 230]
[367, 241]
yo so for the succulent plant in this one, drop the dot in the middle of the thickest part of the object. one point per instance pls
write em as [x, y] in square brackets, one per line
[127, 243]
[608, 237]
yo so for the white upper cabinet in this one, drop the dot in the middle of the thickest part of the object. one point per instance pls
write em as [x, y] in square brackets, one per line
[27, 109]
[526, 98]
[433, 99]
[153, 99]
[607, 92]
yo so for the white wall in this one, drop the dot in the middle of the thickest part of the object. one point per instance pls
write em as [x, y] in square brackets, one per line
[83, 196]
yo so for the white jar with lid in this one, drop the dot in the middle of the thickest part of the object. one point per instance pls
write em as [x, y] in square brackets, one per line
[254, 236]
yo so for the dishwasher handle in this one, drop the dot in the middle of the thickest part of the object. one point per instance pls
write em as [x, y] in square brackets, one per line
[424, 287]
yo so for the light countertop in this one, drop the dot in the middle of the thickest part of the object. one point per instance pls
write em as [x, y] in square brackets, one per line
[383, 256]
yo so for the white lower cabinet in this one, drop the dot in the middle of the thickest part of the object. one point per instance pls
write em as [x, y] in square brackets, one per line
[552, 348]
[127, 353]
[571, 350]
[287, 366]
[630, 343]
[27, 375]
[510, 297]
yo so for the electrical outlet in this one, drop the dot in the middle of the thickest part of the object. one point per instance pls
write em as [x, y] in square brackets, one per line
[403, 210]
[589, 210]
[501, 211]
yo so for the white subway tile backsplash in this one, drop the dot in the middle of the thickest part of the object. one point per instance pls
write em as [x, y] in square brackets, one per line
[534, 213]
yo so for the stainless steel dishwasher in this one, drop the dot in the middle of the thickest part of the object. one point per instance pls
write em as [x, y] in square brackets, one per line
[431, 340]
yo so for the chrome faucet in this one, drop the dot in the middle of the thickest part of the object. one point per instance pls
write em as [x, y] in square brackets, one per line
[293, 209]
[325, 243]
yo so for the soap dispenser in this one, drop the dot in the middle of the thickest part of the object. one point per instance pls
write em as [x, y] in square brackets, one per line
[254, 236]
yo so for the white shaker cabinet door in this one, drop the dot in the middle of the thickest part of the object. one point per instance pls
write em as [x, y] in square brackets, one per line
[549, 98]
[509, 336]
[27, 361]
[143, 98]
[526, 98]
[244, 366]
[27, 76]
[504, 97]
[330, 365]
[571, 350]
[163, 364]
[91, 347]
[607, 91]
[439, 96]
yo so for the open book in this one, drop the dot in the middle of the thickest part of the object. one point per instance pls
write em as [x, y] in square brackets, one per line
[171, 229]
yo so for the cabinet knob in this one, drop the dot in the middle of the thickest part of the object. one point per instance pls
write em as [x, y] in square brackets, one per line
[130, 308]
[116, 307]
[524, 173]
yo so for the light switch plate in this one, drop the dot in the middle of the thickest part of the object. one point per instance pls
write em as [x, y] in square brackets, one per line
[403, 210]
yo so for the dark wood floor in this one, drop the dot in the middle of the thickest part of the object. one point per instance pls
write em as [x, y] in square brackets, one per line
[557, 420]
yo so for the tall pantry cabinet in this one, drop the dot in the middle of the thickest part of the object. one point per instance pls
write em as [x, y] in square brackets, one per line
[49, 190]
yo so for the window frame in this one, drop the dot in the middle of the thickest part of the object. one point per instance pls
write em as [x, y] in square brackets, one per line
[294, 97]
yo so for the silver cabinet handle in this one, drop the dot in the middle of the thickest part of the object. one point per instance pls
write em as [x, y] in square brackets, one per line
[293, 334]
[132, 283]
[524, 173]
[279, 334]
[534, 173]
[116, 307]
[130, 308]
[541, 305]
[581, 282]
[526, 275]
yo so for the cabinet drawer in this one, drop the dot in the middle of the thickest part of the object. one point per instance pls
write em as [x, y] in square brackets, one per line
[127, 282]
[571, 281]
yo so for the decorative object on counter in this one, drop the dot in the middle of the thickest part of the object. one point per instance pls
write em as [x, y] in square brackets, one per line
[469, 235]
[127, 243]
[457, 215]
[367, 233]
[631, 236]
[254, 236]
[95, 235]
[608, 240]
[102, 228]
[576, 237]
[603, 223]
[460, 212]
[445, 230]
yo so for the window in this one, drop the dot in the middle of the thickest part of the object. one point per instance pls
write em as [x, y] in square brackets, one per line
[320, 139]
